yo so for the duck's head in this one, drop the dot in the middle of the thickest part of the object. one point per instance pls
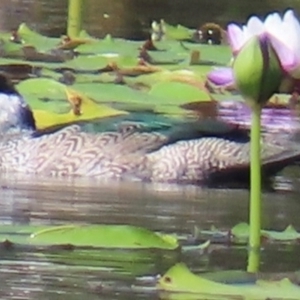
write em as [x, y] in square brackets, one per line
[15, 114]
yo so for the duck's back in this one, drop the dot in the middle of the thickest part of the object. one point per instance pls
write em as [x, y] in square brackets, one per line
[71, 151]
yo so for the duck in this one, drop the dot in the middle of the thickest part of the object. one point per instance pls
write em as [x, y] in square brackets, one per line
[204, 152]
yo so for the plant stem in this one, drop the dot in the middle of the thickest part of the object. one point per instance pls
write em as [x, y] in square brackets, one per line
[74, 17]
[255, 190]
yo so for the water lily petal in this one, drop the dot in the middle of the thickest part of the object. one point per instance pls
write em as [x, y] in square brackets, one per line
[284, 35]
[286, 55]
[291, 24]
[221, 76]
[255, 26]
[235, 37]
[273, 25]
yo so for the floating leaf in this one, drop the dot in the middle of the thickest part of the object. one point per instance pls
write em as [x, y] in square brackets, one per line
[131, 262]
[53, 103]
[10, 49]
[180, 283]
[109, 45]
[181, 75]
[241, 231]
[178, 32]
[287, 235]
[125, 98]
[35, 39]
[106, 236]
[202, 248]
[240, 234]
[179, 93]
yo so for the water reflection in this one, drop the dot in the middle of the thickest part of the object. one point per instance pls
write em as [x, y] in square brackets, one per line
[158, 207]
[36, 200]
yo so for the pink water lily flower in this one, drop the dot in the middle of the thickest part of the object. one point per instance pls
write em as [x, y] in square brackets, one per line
[283, 34]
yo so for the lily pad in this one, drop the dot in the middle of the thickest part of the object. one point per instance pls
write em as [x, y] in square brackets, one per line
[209, 54]
[178, 32]
[125, 98]
[178, 92]
[110, 45]
[54, 103]
[92, 250]
[185, 75]
[239, 234]
[180, 283]
[35, 39]
[106, 236]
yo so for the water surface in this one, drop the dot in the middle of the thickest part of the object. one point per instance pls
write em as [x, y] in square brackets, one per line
[170, 209]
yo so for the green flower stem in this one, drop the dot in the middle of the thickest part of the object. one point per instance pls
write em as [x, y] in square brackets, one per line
[255, 191]
[75, 17]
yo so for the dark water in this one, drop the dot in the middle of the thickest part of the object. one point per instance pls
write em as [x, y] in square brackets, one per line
[171, 209]
[132, 18]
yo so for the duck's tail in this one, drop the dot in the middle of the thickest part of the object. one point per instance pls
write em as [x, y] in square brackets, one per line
[275, 156]
[214, 161]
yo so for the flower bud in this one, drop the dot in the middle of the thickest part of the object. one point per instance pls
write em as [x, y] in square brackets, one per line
[257, 71]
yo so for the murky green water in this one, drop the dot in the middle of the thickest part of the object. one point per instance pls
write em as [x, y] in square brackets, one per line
[172, 209]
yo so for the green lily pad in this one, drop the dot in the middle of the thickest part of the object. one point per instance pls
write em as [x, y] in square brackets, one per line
[287, 235]
[178, 32]
[39, 93]
[125, 98]
[10, 49]
[180, 283]
[35, 39]
[127, 261]
[239, 234]
[100, 61]
[168, 57]
[209, 54]
[87, 63]
[110, 45]
[241, 231]
[40, 64]
[106, 236]
[85, 35]
[52, 104]
[185, 75]
[179, 93]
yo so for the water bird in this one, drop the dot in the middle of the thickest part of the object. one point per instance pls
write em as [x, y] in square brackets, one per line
[203, 152]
